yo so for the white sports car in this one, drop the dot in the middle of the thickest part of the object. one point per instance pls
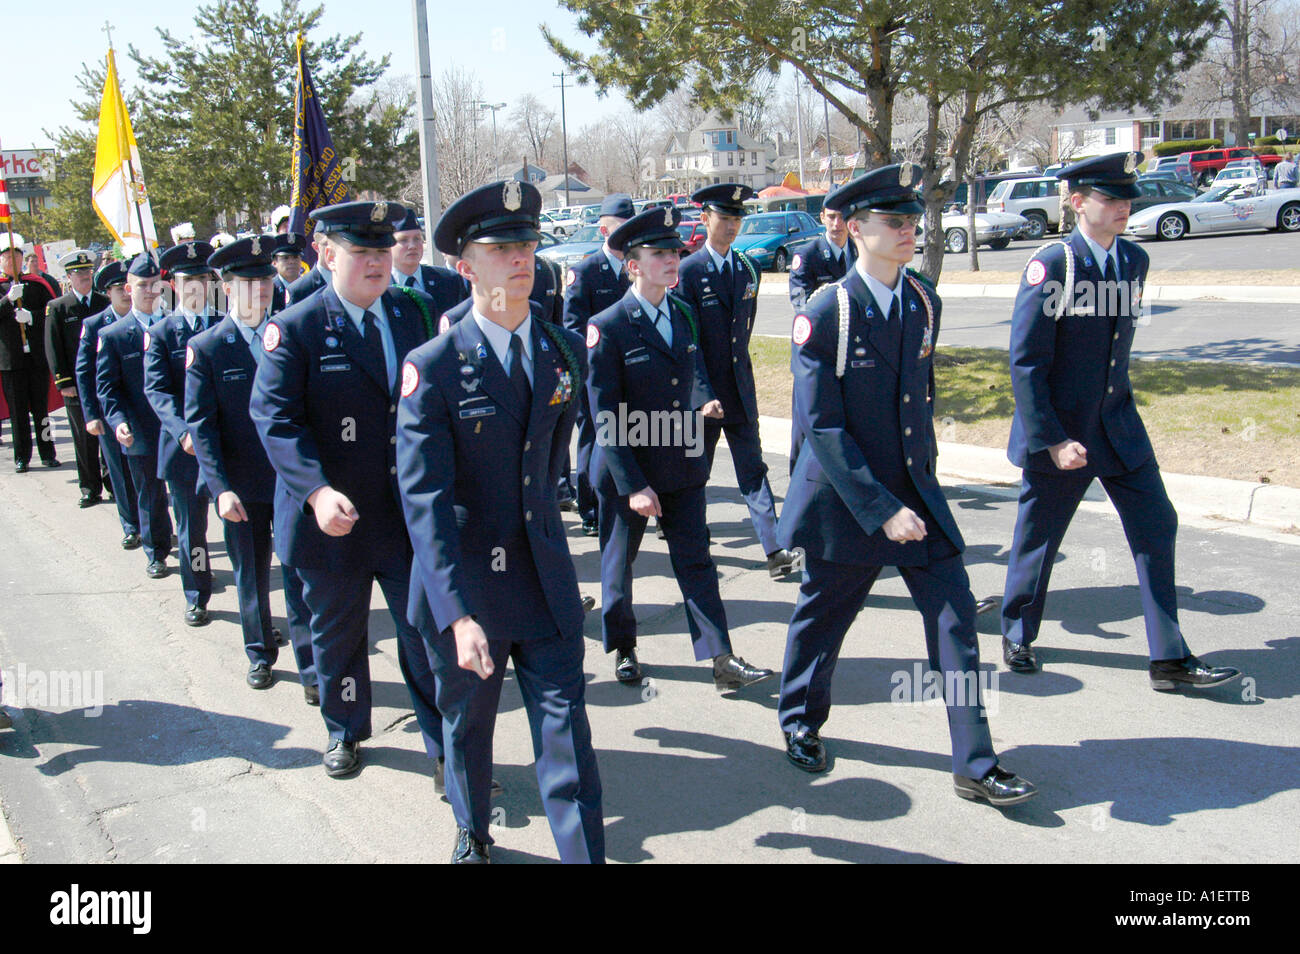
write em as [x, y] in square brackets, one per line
[1225, 208]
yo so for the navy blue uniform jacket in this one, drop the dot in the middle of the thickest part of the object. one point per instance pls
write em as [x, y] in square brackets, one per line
[726, 319]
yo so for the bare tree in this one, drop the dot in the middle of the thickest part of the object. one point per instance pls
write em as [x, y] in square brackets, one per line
[1252, 57]
[637, 139]
[463, 161]
[534, 122]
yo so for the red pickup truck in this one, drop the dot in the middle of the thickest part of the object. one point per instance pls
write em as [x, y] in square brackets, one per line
[1200, 168]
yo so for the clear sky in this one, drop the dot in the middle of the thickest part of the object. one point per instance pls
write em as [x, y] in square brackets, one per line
[498, 40]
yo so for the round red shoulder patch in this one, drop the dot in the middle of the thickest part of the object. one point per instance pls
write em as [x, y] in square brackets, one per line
[444, 324]
[802, 329]
[593, 336]
[1036, 272]
[796, 262]
[410, 379]
[147, 339]
[271, 340]
[189, 356]
[570, 276]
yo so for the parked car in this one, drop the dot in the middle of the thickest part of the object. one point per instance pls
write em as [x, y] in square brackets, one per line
[1226, 208]
[558, 225]
[1158, 190]
[1037, 199]
[1204, 165]
[576, 247]
[984, 186]
[1251, 173]
[771, 239]
[994, 229]
[1161, 164]
[692, 233]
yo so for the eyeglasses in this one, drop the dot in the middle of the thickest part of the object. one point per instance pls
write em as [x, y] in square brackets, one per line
[898, 222]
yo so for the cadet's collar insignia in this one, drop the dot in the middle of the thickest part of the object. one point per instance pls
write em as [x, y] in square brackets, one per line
[189, 251]
[512, 197]
[545, 346]
[480, 351]
[230, 337]
[256, 248]
[379, 211]
[1130, 164]
[338, 322]
[668, 214]
[735, 196]
[905, 174]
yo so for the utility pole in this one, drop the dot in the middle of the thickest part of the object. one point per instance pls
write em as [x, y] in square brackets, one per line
[798, 124]
[830, 152]
[496, 156]
[428, 128]
[564, 131]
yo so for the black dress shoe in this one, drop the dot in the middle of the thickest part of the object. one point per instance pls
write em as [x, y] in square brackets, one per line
[20, 467]
[6, 720]
[156, 570]
[1019, 657]
[196, 615]
[52, 463]
[1169, 674]
[997, 788]
[89, 500]
[588, 604]
[341, 758]
[278, 637]
[312, 694]
[131, 541]
[987, 604]
[568, 505]
[732, 672]
[806, 750]
[469, 850]
[781, 562]
[626, 668]
[591, 527]
[659, 531]
[259, 676]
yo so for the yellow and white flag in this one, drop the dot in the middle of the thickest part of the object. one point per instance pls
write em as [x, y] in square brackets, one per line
[118, 193]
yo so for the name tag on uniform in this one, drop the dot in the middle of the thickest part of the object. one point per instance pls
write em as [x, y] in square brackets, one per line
[335, 362]
[234, 374]
[179, 353]
[868, 363]
[637, 360]
[472, 412]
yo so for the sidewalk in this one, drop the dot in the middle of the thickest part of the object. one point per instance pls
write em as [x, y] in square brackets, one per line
[1213, 502]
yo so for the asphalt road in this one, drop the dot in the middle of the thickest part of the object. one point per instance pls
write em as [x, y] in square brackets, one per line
[1222, 331]
[185, 763]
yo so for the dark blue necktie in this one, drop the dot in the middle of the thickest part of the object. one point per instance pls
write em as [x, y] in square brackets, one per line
[518, 376]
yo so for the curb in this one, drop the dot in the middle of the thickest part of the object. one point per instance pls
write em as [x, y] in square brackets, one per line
[1251, 294]
[1196, 498]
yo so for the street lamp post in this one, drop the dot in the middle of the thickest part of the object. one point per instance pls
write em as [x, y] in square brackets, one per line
[496, 155]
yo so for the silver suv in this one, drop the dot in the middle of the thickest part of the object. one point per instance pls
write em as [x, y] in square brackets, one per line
[1036, 199]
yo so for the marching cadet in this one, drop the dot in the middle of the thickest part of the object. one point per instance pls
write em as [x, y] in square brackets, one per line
[288, 268]
[186, 266]
[1076, 419]
[482, 432]
[863, 494]
[63, 321]
[119, 380]
[110, 281]
[24, 373]
[646, 366]
[594, 284]
[444, 286]
[316, 278]
[721, 287]
[324, 403]
[220, 365]
[824, 261]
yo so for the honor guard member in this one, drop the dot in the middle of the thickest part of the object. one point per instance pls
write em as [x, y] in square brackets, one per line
[863, 494]
[721, 287]
[646, 365]
[288, 268]
[824, 261]
[186, 267]
[482, 432]
[119, 380]
[325, 406]
[110, 281]
[445, 287]
[63, 320]
[220, 366]
[24, 373]
[280, 220]
[1076, 419]
[594, 284]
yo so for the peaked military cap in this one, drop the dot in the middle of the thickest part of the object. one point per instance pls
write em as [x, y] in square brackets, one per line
[368, 224]
[289, 243]
[77, 258]
[619, 205]
[114, 273]
[245, 258]
[725, 197]
[188, 258]
[505, 211]
[1114, 175]
[887, 189]
[656, 228]
[144, 265]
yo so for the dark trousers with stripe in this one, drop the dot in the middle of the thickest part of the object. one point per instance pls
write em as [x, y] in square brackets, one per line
[751, 474]
[190, 508]
[151, 505]
[119, 477]
[90, 478]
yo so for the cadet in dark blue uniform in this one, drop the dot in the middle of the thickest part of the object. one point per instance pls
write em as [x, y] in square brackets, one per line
[325, 405]
[220, 366]
[316, 278]
[119, 380]
[63, 321]
[824, 261]
[594, 284]
[646, 385]
[164, 385]
[111, 282]
[445, 287]
[863, 494]
[482, 433]
[1076, 419]
[721, 286]
[288, 268]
